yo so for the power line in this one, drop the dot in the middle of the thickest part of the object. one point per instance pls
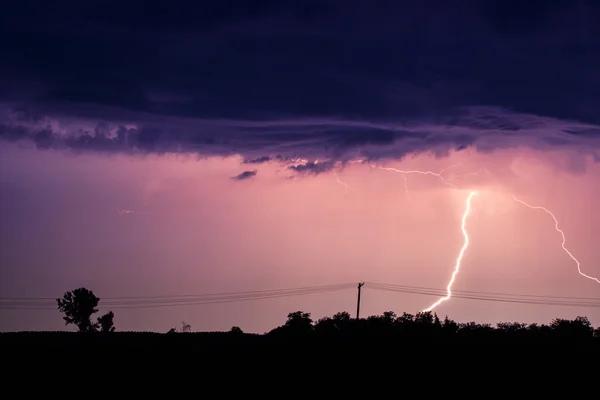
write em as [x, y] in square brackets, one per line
[194, 295]
[46, 303]
[501, 299]
[482, 293]
[456, 293]
[206, 300]
[285, 290]
[202, 299]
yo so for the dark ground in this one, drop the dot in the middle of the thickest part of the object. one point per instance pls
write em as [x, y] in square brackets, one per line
[404, 356]
[219, 356]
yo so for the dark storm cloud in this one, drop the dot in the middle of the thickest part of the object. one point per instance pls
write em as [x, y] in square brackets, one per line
[245, 175]
[313, 167]
[312, 79]
[259, 160]
[296, 141]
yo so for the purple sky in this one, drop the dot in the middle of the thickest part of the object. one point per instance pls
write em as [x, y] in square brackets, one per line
[232, 132]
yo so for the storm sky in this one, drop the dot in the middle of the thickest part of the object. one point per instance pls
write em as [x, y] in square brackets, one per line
[247, 140]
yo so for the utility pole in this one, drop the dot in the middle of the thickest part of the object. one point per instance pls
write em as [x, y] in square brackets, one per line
[360, 285]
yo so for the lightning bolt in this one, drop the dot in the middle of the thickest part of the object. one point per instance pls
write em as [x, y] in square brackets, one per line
[406, 172]
[123, 211]
[460, 255]
[464, 219]
[414, 171]
[450, 166]
[406, 186]
[562, 235]
[341, 182]
[463, 226]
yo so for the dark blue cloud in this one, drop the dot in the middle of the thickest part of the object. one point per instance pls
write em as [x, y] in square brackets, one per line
[245, 175]
[299, 79]
[258, 160]
[313, 167]
[242, 59]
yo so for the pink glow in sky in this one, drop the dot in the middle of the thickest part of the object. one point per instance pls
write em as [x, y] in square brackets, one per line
[195, 230]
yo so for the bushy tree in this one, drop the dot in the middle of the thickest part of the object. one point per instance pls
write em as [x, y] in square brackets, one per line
[449, 326]
[437, 324]
[389, 317]
[406, 318]
[78, 306]
[106, 322]
[236, 330]
[299, 321]
[342, 319]
[580, 326]
[342, 316]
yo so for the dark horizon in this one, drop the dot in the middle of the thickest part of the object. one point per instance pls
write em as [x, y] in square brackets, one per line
[133, 302]
[79, 309]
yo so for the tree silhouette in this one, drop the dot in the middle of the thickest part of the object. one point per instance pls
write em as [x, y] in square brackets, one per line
[299, 322]
[449, 326]
[579, 327]
[342, 316]
[106, 322]
[424, 318]
[406, 318]
[388, 331]
[389, 317]
[341, 320]
[333, 325]
[436, 322]
[78, 306]
[236, 330]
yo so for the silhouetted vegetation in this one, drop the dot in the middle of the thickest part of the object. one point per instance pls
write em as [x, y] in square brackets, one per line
[427, 326]
[106, 322]
[185, 327]
[406, 338]
[409, 331]
[78, 306]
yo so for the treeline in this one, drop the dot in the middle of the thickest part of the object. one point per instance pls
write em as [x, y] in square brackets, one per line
[399, 335]
[428, 326]
[79, 305]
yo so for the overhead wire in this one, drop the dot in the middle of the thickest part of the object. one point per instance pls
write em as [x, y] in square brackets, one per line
[178, 300]
[481, 293]
[156, 301]
[494, 297]
[194, 295]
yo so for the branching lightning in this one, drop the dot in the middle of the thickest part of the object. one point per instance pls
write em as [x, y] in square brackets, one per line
[562, 235]
[413, 171]
[465, 234]
[121, 211]
[465, 216]
[463, 226]
[342, 183]
[460, 255]
[124, 211]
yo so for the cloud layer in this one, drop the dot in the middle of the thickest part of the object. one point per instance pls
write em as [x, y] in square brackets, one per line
[320, 80]
[481, 128]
